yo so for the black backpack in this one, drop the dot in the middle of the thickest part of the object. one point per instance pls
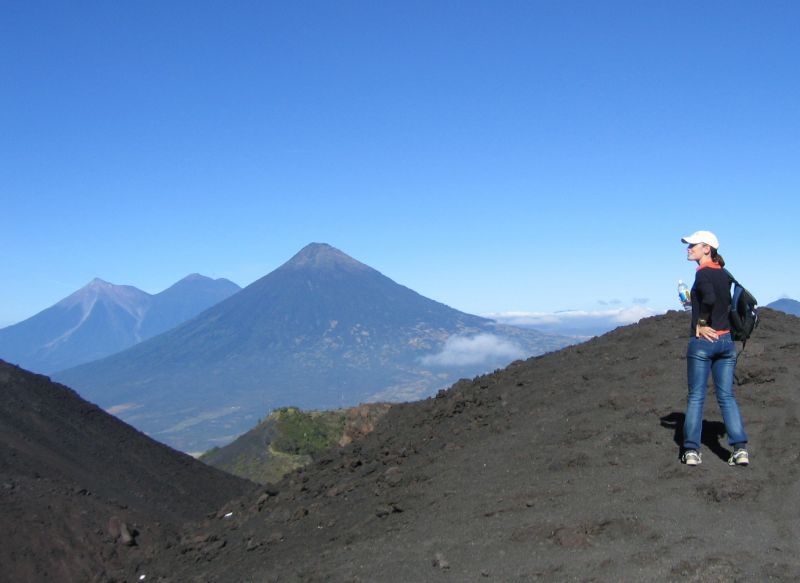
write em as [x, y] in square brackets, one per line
[744, 314]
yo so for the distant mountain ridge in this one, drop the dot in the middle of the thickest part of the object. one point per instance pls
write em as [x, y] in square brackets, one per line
[103, 318]
[786, 305]
[322, 331]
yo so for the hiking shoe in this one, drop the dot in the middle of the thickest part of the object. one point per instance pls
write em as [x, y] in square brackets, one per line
[739, 458]
[691, 457]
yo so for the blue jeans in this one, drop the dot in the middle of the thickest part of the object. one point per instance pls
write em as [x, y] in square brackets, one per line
[719, 358]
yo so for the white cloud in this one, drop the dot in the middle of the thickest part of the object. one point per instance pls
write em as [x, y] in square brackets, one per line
[613, 302]
[122, 407]
[465, 351]
[575, 322]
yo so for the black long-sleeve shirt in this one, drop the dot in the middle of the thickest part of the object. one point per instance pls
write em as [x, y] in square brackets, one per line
[711, 297]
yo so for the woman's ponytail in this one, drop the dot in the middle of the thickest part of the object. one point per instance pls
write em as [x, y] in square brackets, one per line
[717, 258]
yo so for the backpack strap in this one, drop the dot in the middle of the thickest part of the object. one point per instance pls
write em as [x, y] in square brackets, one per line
[733, 279]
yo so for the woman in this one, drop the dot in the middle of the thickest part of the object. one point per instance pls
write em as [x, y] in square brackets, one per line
[711, 349]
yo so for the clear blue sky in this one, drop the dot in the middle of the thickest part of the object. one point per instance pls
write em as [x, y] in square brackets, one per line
[495, 156]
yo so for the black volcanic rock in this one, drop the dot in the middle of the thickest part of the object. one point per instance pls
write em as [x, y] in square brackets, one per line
[787, 305]
[563, 467]
[102, 318]
[320, 332]
[77, 484]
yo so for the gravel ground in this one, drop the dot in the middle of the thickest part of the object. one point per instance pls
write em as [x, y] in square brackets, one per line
[562, 467]
[79, 489]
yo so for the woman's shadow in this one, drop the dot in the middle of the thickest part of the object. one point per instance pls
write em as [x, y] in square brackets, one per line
[713, 431]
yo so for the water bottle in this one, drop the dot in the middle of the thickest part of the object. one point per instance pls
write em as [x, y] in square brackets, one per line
[684, 295]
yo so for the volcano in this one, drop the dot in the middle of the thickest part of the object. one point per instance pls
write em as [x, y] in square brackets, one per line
[322, 331]
[787, 305]
[103, 318]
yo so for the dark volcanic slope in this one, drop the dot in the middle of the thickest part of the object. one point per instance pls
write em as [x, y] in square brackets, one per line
[67, 468]
[564, 467]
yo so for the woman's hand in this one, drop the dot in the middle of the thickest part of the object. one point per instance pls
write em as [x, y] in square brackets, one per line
[706, 332]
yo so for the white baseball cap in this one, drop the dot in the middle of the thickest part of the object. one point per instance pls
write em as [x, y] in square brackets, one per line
[706, 237]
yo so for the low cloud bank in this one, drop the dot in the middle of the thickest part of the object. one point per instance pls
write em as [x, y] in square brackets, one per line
[581, 322]
[480, 349]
